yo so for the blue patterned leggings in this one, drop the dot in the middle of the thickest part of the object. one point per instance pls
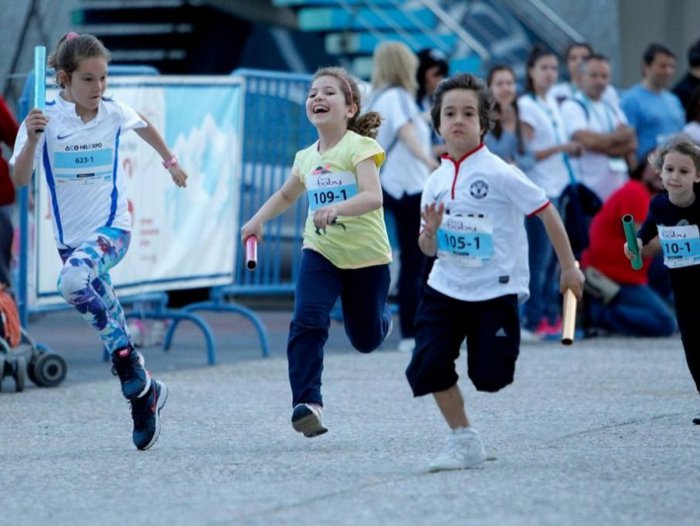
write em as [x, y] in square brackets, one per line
[84, 282]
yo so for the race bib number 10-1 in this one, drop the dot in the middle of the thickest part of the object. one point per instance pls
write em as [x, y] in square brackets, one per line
[681, 245]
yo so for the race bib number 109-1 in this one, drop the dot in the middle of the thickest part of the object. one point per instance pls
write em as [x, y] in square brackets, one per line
[329, 188]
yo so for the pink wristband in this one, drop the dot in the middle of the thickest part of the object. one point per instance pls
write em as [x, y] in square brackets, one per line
[170, 163]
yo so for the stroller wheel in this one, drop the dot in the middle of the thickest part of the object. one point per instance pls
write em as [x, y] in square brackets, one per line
[30, 370]
[49, 369]
[19, 373]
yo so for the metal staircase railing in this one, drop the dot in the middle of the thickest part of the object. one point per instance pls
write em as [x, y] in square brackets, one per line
[353, 9]
[458, 30]
[446, 34]
[420, 26]
[554, 30]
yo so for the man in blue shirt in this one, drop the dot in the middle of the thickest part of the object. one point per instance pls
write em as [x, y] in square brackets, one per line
[651, 109]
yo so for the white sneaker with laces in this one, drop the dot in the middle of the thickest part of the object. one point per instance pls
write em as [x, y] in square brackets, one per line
[306, 419]
[407, 344]
[464, 449]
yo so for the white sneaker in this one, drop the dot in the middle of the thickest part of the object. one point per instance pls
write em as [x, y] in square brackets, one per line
[464, 449]
[407, 345]
[306, 419]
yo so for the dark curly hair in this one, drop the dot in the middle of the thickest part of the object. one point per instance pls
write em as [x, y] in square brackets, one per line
[468, 82]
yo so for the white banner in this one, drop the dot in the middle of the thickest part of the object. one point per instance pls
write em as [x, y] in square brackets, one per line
[181, 238]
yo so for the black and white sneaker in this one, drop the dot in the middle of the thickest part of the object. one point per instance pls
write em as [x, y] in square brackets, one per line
[306, 419]
[146, 414]
[128, 365]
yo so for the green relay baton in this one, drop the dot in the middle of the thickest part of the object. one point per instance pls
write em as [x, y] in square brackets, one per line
[631, 237]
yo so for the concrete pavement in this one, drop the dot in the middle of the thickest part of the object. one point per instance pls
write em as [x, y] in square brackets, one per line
[597, 433]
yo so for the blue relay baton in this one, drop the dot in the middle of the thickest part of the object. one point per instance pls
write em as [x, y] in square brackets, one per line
[40, 78]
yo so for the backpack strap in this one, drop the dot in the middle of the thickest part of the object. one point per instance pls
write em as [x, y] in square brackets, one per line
[584, 106]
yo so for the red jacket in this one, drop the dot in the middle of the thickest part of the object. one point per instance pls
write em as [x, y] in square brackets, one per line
[8, 133]
[607, 237]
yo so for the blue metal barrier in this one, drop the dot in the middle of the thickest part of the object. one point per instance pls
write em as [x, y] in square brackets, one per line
[275, 128]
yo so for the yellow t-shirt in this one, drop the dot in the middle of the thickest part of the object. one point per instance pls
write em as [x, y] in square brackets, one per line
[330, 177]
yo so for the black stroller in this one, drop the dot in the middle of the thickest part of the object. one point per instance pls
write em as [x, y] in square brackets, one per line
[20, 356]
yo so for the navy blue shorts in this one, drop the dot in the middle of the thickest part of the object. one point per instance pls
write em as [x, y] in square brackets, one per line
[492, 330]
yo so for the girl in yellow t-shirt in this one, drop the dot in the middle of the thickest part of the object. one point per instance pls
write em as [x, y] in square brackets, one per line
[346, 250]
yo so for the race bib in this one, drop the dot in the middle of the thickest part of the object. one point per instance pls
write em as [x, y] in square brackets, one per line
[328, 188]
[681, 245]
[84, 166]
[465, 240]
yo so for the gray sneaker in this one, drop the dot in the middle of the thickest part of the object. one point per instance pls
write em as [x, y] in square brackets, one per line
[306, 419]
[464, 449]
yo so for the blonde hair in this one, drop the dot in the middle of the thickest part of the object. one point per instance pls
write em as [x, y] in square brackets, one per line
[394, 65]
[681, 143]
[367, 124]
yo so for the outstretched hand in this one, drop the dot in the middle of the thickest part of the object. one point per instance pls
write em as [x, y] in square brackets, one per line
[432, 216]
[252, 228]
[179, 175]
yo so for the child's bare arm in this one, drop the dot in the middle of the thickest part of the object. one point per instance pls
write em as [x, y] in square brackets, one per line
[154, 139]
[651, 249]
[277, 203]
[571, 277]
[24, 163]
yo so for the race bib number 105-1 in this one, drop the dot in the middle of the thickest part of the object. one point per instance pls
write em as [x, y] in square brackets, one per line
[465, 240]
